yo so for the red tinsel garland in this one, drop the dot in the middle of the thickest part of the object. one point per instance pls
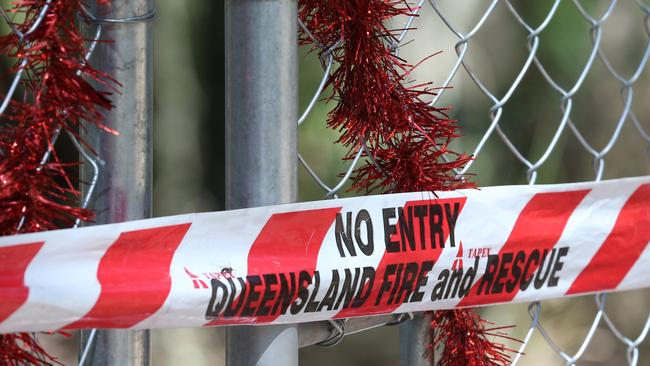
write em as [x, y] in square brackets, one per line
[405, 137]
[54, 95]
[463, 334]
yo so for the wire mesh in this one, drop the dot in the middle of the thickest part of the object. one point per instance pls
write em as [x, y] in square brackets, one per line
[493, 129]
[18, 76]
[93, 26]
[493, 126]
[86, 156]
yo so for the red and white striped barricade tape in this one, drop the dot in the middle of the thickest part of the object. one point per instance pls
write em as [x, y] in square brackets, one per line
[331, 259]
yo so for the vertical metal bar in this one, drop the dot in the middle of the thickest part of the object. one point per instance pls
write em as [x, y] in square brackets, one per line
[124, 187]
[261, 141]
[415, 338]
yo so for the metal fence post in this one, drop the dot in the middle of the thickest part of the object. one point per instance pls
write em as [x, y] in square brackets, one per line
[415, 338]
[261, 141]
[123, 191]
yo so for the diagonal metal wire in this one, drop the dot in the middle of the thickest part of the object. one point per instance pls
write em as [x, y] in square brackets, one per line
[87, 156]
[94, 161]
[326, 59]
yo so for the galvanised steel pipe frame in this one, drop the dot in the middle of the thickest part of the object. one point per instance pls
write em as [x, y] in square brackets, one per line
[261, 142]
[261, 166]
[124, 187]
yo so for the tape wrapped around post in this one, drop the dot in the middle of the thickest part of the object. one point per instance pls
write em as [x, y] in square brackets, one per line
[331, 259]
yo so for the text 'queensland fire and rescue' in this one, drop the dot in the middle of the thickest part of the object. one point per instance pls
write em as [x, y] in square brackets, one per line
[413, 238]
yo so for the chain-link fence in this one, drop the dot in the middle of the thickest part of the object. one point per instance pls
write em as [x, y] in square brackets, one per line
[13, 22]
[545, 92]
[25, 20]
[15, 86]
